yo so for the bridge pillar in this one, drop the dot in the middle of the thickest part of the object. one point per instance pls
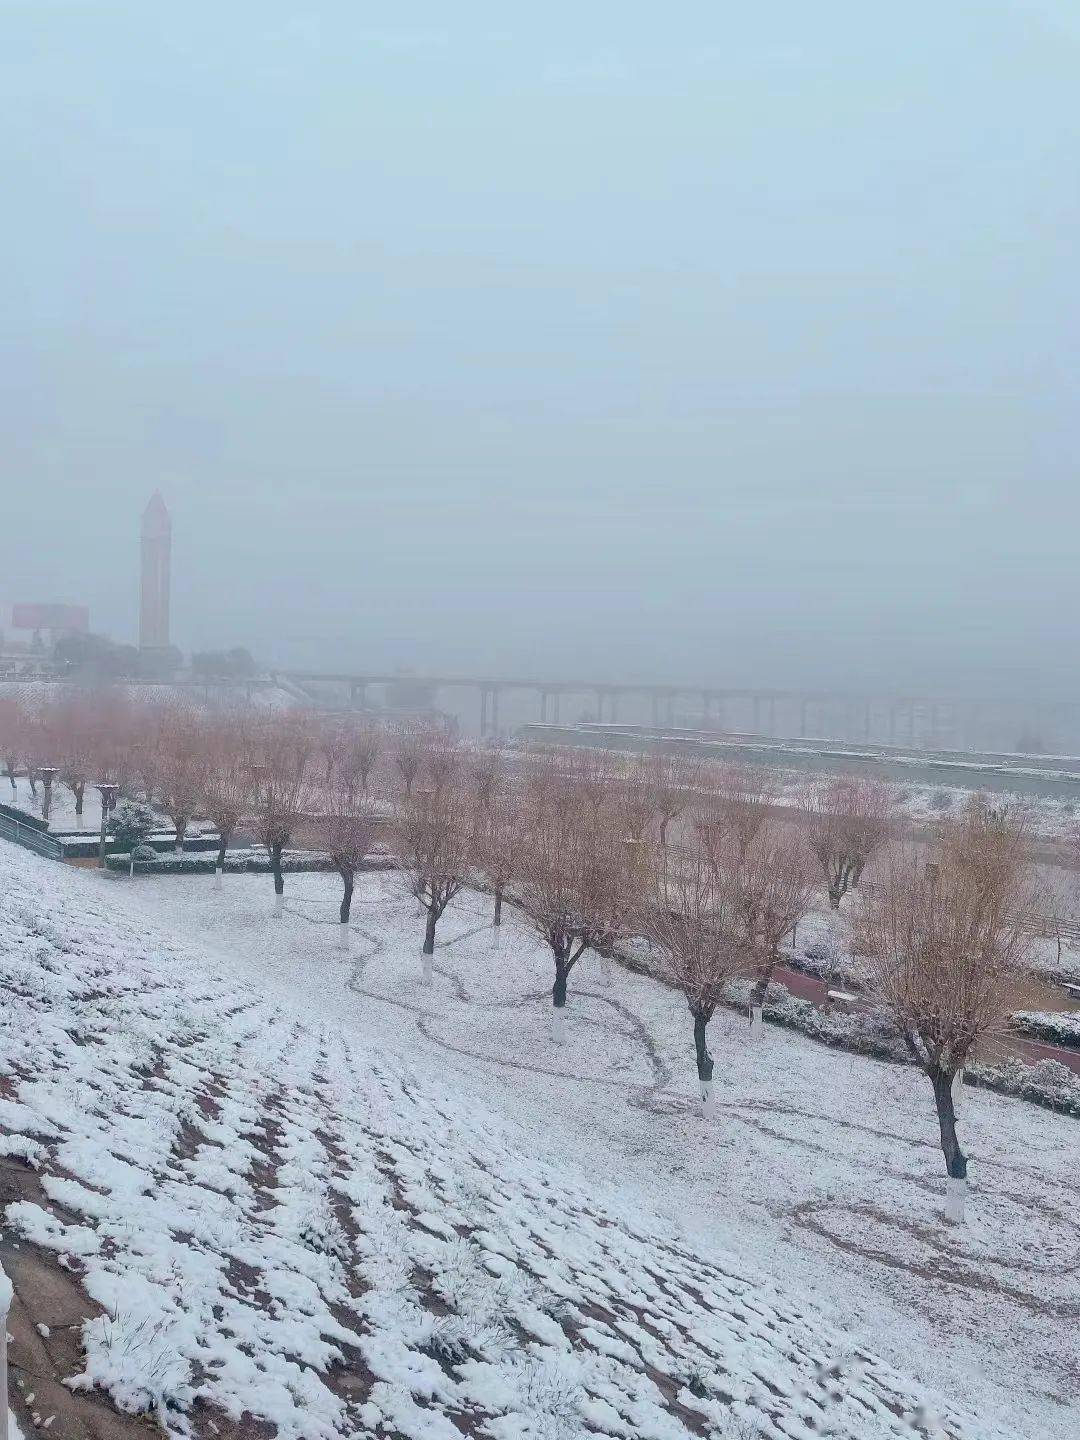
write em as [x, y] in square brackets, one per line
[756, 727]
[772, 715]
[802, 718]
[495, 710]
[483, 711]
[655, 710]
[892, 724]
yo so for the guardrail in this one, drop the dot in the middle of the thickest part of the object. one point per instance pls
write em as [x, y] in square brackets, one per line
[1044, 925]
[31, 838]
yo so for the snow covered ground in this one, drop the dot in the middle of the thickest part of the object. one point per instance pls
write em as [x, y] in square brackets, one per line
[301, 1185]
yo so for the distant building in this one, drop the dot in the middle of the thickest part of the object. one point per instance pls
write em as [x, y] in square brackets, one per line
[38, 627]
[155, 581]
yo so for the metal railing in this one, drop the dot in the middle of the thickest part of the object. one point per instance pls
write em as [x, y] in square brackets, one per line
[31, 838]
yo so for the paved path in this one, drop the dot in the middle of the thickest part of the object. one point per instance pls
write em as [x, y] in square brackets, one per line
[809, 987]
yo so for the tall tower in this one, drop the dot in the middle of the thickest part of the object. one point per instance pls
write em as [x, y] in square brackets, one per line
[154, 595]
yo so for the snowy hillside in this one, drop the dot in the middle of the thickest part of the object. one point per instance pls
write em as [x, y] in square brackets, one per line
[281, 1222]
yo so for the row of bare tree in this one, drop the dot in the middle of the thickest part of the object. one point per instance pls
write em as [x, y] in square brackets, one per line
[592, 849]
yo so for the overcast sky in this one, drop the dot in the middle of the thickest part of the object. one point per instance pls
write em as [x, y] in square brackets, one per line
[731, 343]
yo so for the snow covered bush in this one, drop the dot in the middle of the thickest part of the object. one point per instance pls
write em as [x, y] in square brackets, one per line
[130, 824]
[243, 862]
[867, 1032]
[1047, 1083]
[1058, 1027]
[826, 960]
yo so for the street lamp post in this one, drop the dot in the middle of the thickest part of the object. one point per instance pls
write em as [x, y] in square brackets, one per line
[108, 792]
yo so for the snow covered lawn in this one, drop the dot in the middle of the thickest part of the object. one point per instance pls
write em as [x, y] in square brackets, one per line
[305, 1190]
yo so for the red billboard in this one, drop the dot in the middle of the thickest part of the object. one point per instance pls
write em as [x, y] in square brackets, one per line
[50, 617]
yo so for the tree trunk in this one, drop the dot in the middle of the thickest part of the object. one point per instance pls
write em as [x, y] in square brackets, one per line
[762, 983]
[704, 1059]
[222, 847]
[835, 894]
[32, 778]
[558, 990]
[955, 1159]
[429, 933]
[704, 1063]
[498, 907]
[181, 831]
[347, 880]
[558, 1001]
[275, 866]
[664, 823]
[78, 790]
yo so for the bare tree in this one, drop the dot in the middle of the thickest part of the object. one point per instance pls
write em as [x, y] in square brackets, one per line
[575, 886]
[443, 757]
[12, 719]
[847, 822]
[591, 776]
[745, 798]
[435, 847]
[349, 829]
[674, 780]
[776, 886]
[497, 829]
[1058, 908]
[409, 752]
[177, 763]
[71, 719]
[637, 799]
[947, 945]
[280, 784]
[692, 916]
[485, 776]
[366, 746]
[228, 783]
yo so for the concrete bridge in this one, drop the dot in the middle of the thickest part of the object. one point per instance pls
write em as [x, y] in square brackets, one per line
[916, 720]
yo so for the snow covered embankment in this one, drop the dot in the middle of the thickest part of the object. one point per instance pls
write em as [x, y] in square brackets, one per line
[275, 1225]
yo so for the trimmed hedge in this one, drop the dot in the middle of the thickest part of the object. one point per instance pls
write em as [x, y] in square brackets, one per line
[1059, 1028]
[34, 822]
[1045, 1083]
[293, 862]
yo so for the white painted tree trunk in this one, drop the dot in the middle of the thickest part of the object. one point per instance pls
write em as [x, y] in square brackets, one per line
[955, 1200]
[708, 1100]
[131, 866]
[7, 1294]
[558, 1023]
[757, 1024]
[217, 877]
[496, 937]
[343, 936]
[279, 903]
[959, 1099]
[429, 969]
[605, 970]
